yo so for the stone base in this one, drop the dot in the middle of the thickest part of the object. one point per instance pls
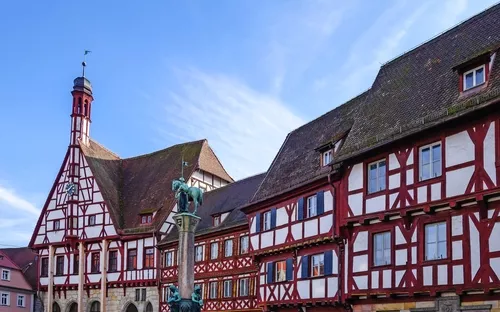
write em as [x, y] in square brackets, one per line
[185, 305]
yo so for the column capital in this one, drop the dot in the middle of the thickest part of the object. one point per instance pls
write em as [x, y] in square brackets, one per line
[186, 222]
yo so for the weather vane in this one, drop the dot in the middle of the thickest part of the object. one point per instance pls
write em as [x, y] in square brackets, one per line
[183, 164]
[85, 52]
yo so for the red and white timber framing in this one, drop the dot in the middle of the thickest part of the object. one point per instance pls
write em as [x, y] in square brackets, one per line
[464, 197]
[208, 271]
[291, 239]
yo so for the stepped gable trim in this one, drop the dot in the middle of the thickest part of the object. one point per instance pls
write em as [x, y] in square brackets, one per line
[44, 209]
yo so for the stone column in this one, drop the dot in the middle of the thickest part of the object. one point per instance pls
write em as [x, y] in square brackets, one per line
[104, 274]
[50, 290]
[81, 275]
[186, 224]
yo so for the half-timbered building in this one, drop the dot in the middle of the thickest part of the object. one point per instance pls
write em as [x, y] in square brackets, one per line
[104, 215]
[223, 264]
[390, 201]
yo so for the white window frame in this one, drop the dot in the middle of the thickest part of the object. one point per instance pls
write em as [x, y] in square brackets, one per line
[266, 224]
[244, 244]
[279, 277]
[214, 252]
[93, 218]
[431, 160]
[318, 261]
[473, 71]
[228, 250]
[312, 206]
[7, 298]
[383, 248]
[58, 227]
[327, 157]
[378, 187]
[217, 220]
[213, 290]
[23, 301]
[228, 288]
[169, 258]
[198, 255]
[7, 273]
[438, 240]
[243, 284]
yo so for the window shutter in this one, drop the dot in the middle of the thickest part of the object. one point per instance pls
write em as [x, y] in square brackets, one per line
[328, 262]
[270, 274]
[257, 223]
[273, 218]
[289, 269]
[305, 266]
[320, 202]
[300, 209]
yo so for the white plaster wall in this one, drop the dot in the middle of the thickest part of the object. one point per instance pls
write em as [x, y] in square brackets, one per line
[254, 240]
[297, 231]
[409, 177]
[356, 177]
[332, 287]
[93, 231]
[401, 257]
[398, 277]
[457, 180]
[55, 236]
[361, 281]
[458, 274]
[459, 149]
[356, 203]
[318, 288]
[428, 276]
[442, 274]
[311, 228]
[495, 265]
[422, 194]
[436, 191]
[281, 216]
[387, 278]
[393, 161]
[303, 289]
[360, 263]
[55, 214]
[400, 239]
[456, 225]
[394, 181]
[475, 252]
[456, 250]
[328, 201]
[281, 235]
[495, 238]
[489, 153]
[361, 242]
[375, 204]
[267, 239]
[325, 223]
[375, 278]
[392, 198]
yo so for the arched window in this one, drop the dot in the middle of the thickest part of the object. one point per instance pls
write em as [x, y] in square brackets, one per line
[95, 306]
[73, 307]
[149, 307]
[79, 111]
[85, 108]
[55, 307]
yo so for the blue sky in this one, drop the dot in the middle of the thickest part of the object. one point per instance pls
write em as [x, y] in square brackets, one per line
[241, 73]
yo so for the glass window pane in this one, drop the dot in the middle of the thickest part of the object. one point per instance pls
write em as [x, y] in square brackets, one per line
[431, 251]
[479, 76]
[379, 242]
[379, 256]
[381, 183]
[442, 232]
[387, 256]
[372, 186]
[469, 83]
[381, 169]
[426, 172]
[436, 152]
[387, 240]
[441, 252]
[430, 233]
[425, 155]
[436, 168]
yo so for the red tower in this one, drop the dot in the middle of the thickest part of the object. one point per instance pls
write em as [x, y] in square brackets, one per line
[80, 116]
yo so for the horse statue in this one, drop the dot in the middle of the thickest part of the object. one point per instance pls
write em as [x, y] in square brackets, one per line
[185, 193]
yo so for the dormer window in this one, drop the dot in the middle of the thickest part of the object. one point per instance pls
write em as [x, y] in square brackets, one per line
[474, 77]
[147, 219]
[216, 220]
[327, 157]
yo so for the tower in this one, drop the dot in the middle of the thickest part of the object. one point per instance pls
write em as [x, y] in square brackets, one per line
[82, 107]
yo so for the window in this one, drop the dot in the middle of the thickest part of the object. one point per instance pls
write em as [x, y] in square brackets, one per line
[149, 307]
[435, 241]
[266, 225]
[376, 176]
[317, 265]
[311, 206]
[76, 263]
[147, 219]
[216, 220]
[4, 299]
[59, 265]
[327, 157]
[213, 290]
[44, 267]
[214, 250]
[95, 306]
[169, 258]
[57, 225]
[228, 248]
[132, 259]
[149, 257]
[280, 271]
[137, 294]
[5, 275]
[113, 261]
[198, 253]
[244, 282]
[474, 77]
[56, 308]
[382, 248]
[143, 294]
[228, 288]
[95, 263]
[20, 301]
[430, 161]
[244, 244]
[74, 223]
[92, 220]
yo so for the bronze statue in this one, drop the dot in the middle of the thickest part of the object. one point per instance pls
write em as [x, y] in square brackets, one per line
[196, 296]
[185, 193]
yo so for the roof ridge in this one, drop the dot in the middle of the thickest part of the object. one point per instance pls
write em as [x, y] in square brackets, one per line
[439, 34]
[234, 183]
[216, 157]
[104, 148]
[162, 150]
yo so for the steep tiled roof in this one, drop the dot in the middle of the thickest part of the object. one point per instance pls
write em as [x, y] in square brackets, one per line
[25, 259]
[142, 184]
[418, 90]
[228, 199]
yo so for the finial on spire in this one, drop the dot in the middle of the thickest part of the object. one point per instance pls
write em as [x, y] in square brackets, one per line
[85, 52]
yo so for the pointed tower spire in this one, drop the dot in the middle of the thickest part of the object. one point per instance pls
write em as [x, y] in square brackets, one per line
[82, 108]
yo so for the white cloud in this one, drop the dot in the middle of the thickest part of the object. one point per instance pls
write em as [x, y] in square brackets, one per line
[244, 127]
[9, 197]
